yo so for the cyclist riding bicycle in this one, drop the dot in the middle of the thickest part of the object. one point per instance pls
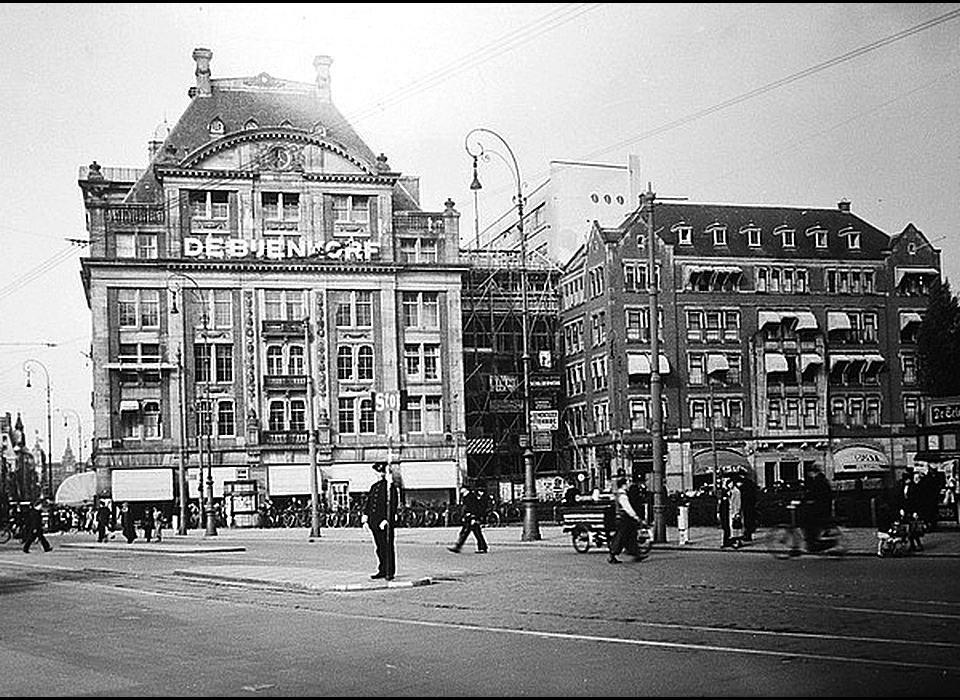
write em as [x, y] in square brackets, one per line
[817, 502]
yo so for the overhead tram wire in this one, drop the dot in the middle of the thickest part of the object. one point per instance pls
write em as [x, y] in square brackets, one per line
[510, 41]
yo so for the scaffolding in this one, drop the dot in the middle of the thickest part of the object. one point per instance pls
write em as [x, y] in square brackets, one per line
[492, 295]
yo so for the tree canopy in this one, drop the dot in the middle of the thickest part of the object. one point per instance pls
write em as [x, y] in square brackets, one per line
[938, 344]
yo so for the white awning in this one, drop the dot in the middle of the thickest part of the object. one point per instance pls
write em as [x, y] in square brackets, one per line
[294, 479]
[908, 317]
[806, 320]
[838, 320]
[775, 362]
[142, 484]
[441, 474]
[77, 489]
[717, 363]
[809, 358]
[902, 272]
[129, 406]
[767, 317]
[638, 363]
[664, 365]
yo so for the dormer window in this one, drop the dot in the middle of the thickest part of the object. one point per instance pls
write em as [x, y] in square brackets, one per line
[753, 234]
[285, 124]
[911, 248]
[819, 236]
[853, 238]
[319, 129]
[251, 124]
[216, 127]
[684, 234]
[719, 234]
[787, 236]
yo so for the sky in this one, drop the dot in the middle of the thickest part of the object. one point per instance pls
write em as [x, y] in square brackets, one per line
[753, 104]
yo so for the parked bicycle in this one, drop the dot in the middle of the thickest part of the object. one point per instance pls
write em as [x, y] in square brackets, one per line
[10, 530]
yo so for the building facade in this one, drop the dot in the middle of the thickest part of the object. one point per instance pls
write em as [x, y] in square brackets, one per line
[266, 277]
[787, 337]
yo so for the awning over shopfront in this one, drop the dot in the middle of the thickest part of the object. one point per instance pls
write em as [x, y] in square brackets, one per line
[440, 474]
[727, 460]
[875, 363]
[775, 362]
[141, 484]
[838, 320]
[909, 317]
[717, 363]
[859, 460]
[129, 406]
[78, 490]
[294, 479]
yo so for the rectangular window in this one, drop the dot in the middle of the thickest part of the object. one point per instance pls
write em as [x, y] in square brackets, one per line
[911, 410]
[695, 326]
[421, 310]
[281, 206]
[151, 420]
[873, 412]
[774, 413]
[909, 366]
[838, 412]
[413, 415]
[209, 205]
[809, 413]
[298, 415]
[351, 214]
[368, 423]
[695, 366]
[793, 413]
[284, 305]
[719, 236]
[226, 423]
[224, 362]
[698, 414]
[345, 417]
[201, 362]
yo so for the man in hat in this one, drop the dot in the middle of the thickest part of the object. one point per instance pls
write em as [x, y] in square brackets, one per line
[379, 515]
[476, 504]
[33, 528]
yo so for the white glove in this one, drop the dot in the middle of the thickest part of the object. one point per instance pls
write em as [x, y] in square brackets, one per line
[364, 519]
[383, 524]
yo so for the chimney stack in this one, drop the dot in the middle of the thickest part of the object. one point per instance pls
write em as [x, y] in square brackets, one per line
[202, 57]
[844, 205]
[322, 64]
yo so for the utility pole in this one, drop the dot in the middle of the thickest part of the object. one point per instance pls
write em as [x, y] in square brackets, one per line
[311, 437]
[656, 408]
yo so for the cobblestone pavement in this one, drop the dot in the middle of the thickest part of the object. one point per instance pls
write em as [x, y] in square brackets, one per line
[944, 542]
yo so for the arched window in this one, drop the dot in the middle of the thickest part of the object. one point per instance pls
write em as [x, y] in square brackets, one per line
[216, 127]
[151, 420]
[365, 362]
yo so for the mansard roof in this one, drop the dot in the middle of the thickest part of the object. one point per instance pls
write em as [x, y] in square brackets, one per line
[239, 104]
[671, 217]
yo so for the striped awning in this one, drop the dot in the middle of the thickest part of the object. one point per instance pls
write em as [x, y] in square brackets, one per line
[838, 360]
[875, 363]
[480, 446]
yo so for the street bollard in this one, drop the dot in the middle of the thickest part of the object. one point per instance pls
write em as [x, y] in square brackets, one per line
[683, 524]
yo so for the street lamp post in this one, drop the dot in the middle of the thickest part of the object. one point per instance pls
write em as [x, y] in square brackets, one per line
[204, 423]
[531, 529]
[47, 487]
[656, 407]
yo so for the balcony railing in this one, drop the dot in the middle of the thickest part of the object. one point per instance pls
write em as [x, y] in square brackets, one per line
[135, 214]
[282, 327]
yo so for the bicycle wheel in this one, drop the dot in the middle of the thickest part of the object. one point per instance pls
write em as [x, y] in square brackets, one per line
[783, 542]
[581, 539]
[5, 535]
[493, 519]
[430, 518]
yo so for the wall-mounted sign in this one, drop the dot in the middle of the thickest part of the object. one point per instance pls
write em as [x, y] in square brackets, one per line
[279, 249]
[944, 413]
